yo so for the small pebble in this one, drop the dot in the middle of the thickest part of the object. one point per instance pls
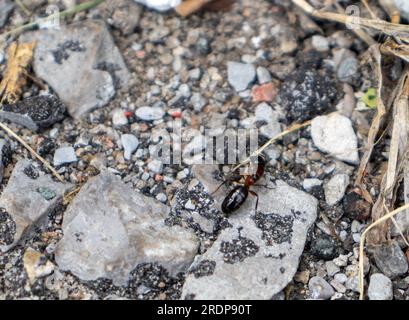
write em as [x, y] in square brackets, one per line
[130, 143]
[320, 289]
[150, 113]
[64, 155]
[380, 287]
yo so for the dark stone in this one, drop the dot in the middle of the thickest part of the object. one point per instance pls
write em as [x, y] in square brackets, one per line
[276, 228]
[62, 51]
[308, 91]
[355, 207]
[390, 259]
[46, 146]
[324, 248]
[238, 250]
[203, 268]
[7, 228]
[34, 112]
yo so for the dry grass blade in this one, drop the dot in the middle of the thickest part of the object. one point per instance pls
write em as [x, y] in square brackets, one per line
[362, 244]
[35, 154]
[391, 29]
[19, 59]
[375, 55]
[273, 139]
[66, 13]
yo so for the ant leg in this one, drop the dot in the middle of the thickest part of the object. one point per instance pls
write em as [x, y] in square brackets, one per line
[224, 182]
[229, 179]
[263, 185]
[256, 195]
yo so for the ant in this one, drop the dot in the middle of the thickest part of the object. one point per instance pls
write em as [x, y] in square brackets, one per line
[238, 195]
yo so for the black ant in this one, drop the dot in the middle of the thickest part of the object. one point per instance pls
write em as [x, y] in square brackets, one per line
[238, 195]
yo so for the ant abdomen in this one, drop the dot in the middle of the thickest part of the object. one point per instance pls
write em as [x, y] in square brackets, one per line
[235, 199]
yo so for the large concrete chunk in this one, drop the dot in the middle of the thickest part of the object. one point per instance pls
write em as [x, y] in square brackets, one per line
[81, 63]
[27, 199]
[258, 255]
[109, 229]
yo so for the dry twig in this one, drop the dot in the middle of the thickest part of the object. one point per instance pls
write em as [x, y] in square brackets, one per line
[35, 154]
[19, 59]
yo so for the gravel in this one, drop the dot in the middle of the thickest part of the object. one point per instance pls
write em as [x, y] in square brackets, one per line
[64, 155]
[240, 75]
[380, 287]
[334, 134]
[320, 289]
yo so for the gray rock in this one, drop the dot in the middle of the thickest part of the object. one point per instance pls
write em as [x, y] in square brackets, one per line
[348, 69]
[390, 259]
[5, 154]
[130, 143]
[80, 62]
[264, 112]
[109, 229]
[352, 283]
[334, 134]
[380, 287]
[121, 14]
[271, 129]
[240, 75]
[150, 113]
[28, 198]
[34, 113]
[156, 166]
[6, 7]
[310, 183]
[320, 289]
[263, 75]
[258, 254]
[195, 74]
[198, 101]
[332, 268]
[119, 118]
[335, 188]
[64, 155]
[340, 278]
[320, 43]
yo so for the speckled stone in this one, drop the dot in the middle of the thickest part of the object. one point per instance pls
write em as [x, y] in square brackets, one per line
[258, 255]
[109, 229]
[27, 199]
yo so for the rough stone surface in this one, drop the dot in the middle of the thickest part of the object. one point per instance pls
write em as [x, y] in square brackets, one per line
[335, 188]
[5, 153]
[334, 134]
[109, 230]
[320, 289]
[258, 253]
[28, 197]
[380, 287]
[263, 75]
[34, 112]
[240, 75]
[81, 63]
[390, 259]
[6, 7]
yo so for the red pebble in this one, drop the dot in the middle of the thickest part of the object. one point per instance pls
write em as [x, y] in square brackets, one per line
[128, 114]
[176, 114]
[265, 92]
